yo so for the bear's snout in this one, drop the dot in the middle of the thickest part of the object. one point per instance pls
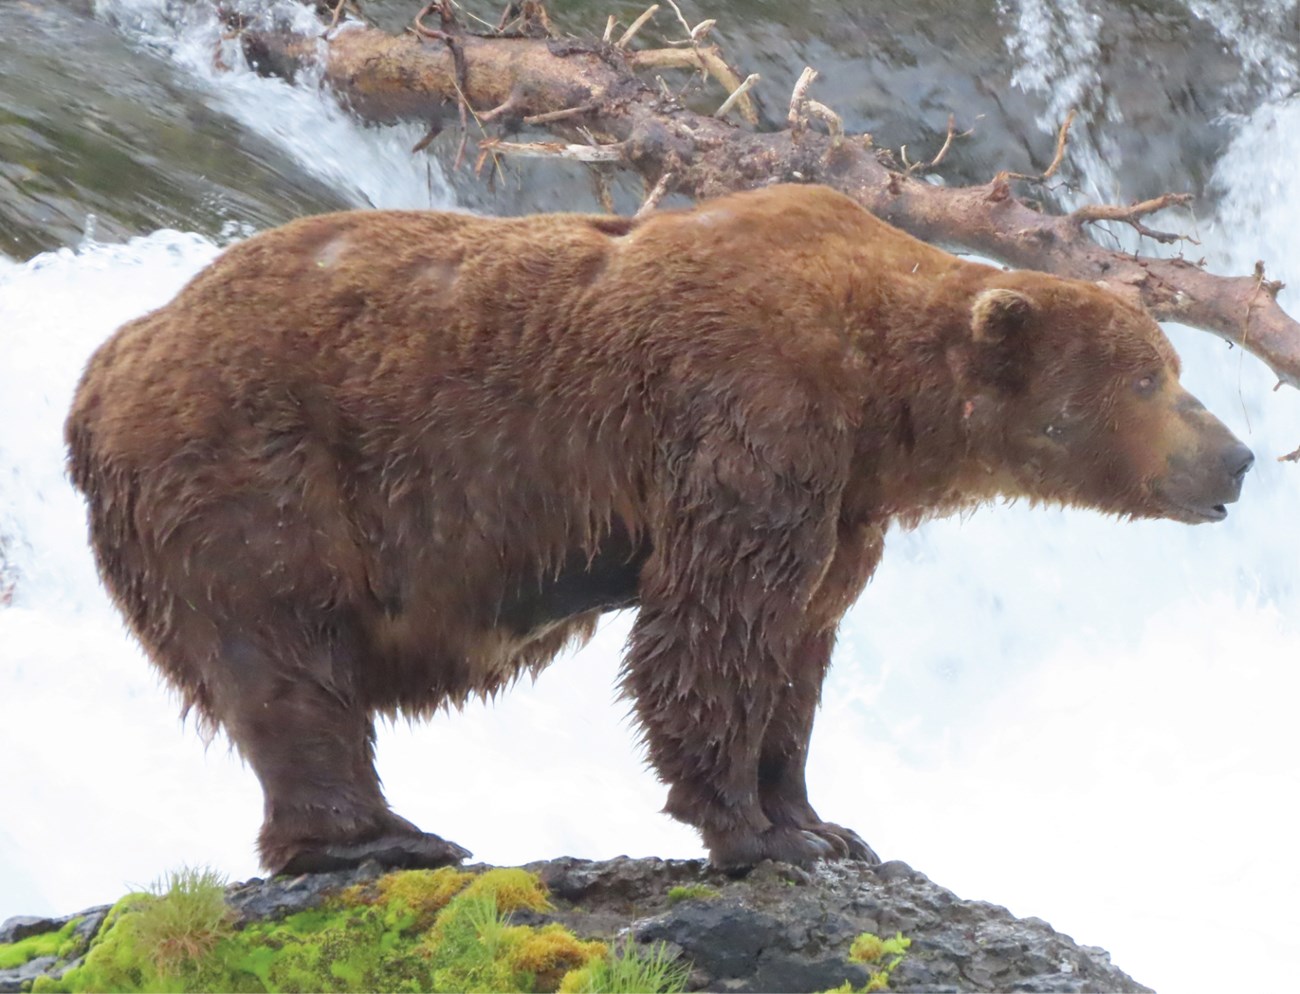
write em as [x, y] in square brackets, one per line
[1205, 474]
[1236, 460]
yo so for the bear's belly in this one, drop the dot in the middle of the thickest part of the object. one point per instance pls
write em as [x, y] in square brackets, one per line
[606, 581]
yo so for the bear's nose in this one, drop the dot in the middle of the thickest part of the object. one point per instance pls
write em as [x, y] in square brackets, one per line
[1237, 461]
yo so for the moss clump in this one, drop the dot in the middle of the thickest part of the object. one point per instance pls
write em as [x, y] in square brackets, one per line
[691, 892]
[512, 889]
[13, 954]
[551, 953]
[114, 960]
[870, 950]
[412, 899]
[467, 948]
[327, 949]
[420, 930]
[473, 946]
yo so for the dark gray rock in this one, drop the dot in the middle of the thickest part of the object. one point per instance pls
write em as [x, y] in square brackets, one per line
[783, 929]
[88, 927]
[736, 935]
[24, 927]
[259, 900]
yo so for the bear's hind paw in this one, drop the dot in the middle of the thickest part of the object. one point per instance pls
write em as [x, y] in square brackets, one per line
[393, 850]
[737, 851]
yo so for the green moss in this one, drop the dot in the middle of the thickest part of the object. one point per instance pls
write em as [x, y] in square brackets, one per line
[14, 954]
[551, 953]
[441, 930]
[871, 950]
[512, 889]
[153, 942]
[473, 946]
[413, 898]
[465, 949]
[114, 961]
[691, 892]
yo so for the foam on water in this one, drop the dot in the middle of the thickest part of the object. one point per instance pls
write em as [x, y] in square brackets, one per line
[1085, 720]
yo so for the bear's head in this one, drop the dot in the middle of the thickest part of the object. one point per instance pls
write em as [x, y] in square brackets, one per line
[1077, 397]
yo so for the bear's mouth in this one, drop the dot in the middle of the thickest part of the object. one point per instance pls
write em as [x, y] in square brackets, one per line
[1215, 512]
[1196, 505]
[1197, 514]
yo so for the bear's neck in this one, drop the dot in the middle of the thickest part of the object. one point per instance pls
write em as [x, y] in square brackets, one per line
[922, 446]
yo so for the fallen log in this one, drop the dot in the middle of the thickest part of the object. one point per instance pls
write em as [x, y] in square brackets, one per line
[587, 94]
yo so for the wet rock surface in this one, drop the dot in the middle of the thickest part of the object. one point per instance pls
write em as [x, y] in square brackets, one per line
[778, 928]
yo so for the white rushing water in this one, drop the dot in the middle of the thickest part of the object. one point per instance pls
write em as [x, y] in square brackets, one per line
[372, 166]
[1084, 720]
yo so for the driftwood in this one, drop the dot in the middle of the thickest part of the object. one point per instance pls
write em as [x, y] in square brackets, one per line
[587, 94]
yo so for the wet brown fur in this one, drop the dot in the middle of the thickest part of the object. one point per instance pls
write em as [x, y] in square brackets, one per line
[381, 462]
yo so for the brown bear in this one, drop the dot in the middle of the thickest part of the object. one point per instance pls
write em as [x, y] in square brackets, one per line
[380, 462]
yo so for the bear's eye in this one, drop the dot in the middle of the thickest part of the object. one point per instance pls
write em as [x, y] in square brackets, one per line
[1145, 384]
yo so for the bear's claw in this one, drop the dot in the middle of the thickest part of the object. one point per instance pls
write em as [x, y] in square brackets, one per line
[394, 850]
[781, 843]
[848, 843]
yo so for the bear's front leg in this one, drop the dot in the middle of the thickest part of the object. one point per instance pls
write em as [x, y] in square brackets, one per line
[782, 789]
[740, 551]
[705, 691]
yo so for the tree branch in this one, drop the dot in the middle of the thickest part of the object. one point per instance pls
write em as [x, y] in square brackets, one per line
[553, 82]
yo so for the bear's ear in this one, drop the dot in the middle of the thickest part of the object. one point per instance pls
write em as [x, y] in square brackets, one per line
[999, 315]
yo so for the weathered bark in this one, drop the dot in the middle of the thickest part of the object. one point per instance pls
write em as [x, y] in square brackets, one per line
[588, 91]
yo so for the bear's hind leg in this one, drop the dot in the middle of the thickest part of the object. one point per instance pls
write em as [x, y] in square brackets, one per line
[312, 747]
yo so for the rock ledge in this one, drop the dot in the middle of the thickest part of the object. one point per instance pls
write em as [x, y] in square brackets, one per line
[777, 928]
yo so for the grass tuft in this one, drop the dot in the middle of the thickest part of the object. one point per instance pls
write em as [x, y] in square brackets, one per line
[632, 970]
[184, 922]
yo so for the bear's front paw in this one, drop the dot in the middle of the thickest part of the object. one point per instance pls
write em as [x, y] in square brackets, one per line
[740, 849]
[848, 844]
